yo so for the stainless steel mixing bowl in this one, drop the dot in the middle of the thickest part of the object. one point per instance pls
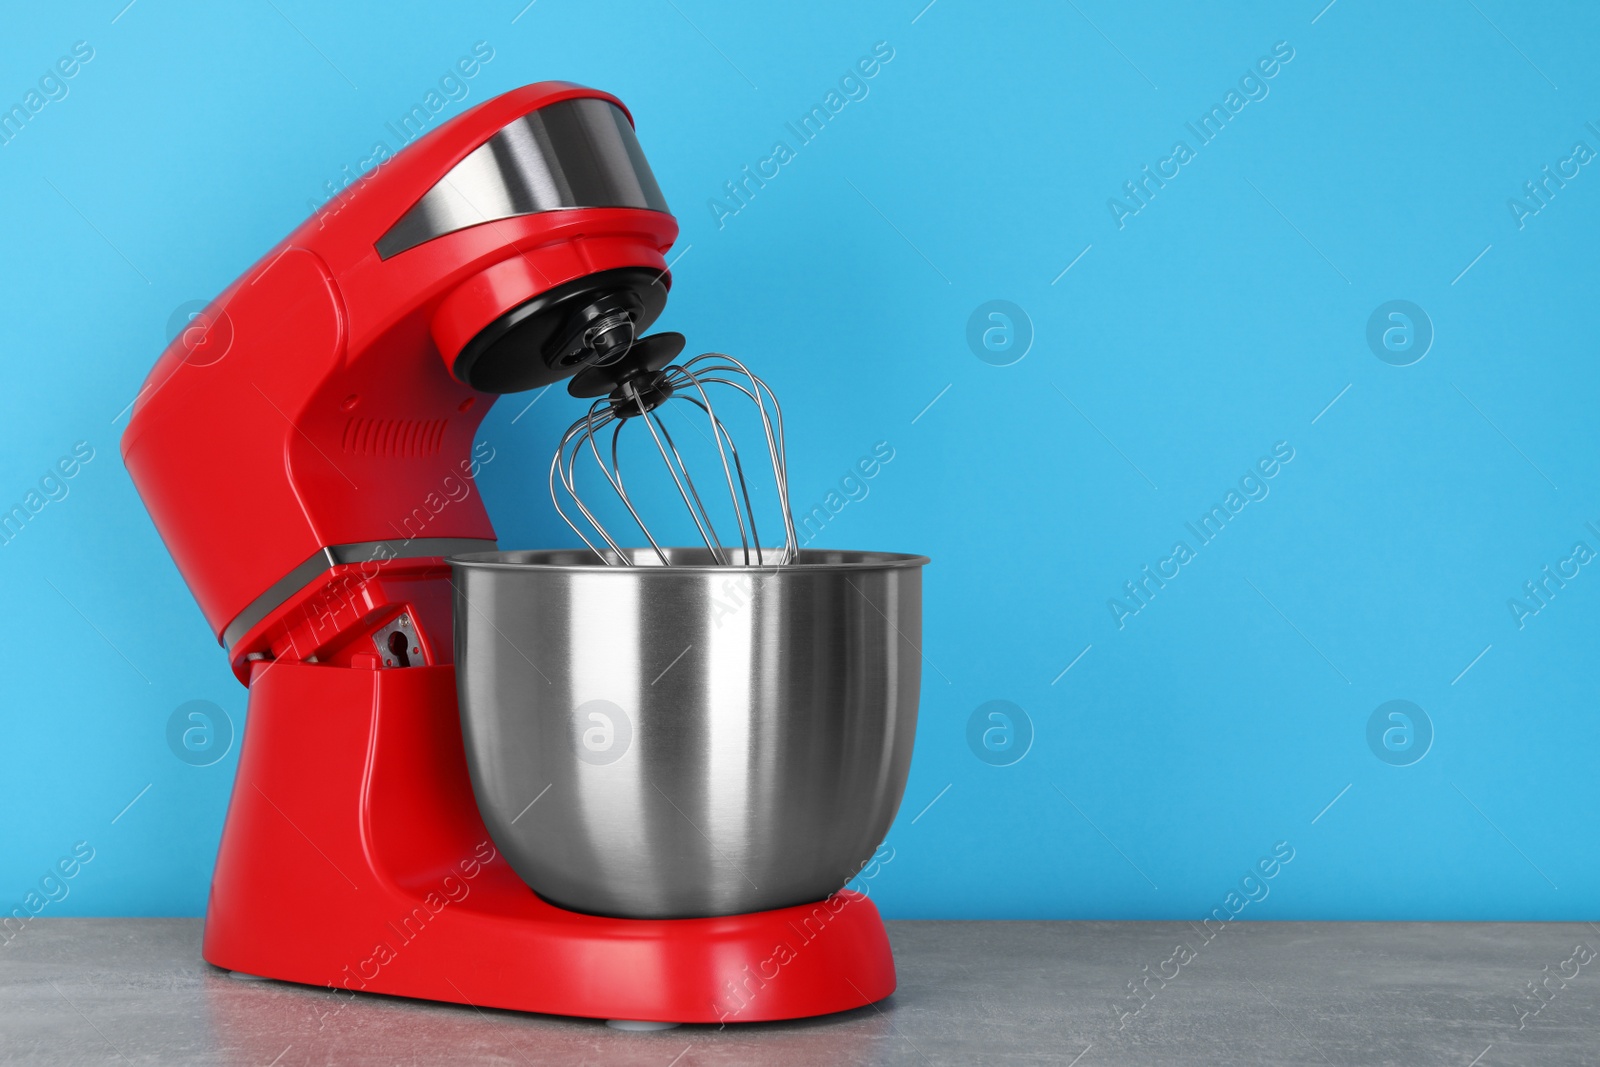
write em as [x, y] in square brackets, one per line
[690, 740]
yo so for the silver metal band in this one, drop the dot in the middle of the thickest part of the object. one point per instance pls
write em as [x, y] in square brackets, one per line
[571, 154]
[325, 559]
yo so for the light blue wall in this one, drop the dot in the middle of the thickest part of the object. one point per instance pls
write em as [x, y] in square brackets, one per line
[1229, 314]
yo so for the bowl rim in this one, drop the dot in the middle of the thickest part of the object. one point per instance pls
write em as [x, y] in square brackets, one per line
[855, 561]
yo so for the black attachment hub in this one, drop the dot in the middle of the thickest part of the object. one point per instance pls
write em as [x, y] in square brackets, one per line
[590, 321]
[633, 379]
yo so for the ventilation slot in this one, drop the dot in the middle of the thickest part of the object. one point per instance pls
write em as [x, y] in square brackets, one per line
[397, 438]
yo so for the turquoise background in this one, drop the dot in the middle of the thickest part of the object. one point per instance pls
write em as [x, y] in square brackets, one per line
[1230, 313]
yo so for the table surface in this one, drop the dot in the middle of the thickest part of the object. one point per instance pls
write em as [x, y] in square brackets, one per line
[133, 991]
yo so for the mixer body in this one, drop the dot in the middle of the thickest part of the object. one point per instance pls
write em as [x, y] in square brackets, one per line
[355, 859]
[306, 451]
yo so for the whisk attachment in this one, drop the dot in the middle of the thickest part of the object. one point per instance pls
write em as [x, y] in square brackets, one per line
[633, 388]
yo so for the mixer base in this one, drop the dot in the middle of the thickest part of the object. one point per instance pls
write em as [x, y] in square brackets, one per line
[354, 858]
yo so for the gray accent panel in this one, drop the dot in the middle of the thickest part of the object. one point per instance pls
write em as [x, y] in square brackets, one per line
[325, 559]
[571, 154]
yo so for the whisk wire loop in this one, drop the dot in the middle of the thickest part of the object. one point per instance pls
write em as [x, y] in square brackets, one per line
[641, 397]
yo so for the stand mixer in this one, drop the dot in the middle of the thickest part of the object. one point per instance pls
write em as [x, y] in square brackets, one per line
[306, 452]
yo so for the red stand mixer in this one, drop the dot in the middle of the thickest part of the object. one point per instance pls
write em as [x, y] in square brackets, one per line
[306, 452]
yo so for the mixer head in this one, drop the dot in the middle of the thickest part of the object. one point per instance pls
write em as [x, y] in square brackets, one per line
[577, 153]
[633, 387]
[299, 474]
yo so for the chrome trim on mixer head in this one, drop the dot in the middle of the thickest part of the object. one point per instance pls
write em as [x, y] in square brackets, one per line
[324, 559]
[571, 154]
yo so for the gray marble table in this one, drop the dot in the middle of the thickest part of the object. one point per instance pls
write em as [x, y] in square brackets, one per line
[135, 991]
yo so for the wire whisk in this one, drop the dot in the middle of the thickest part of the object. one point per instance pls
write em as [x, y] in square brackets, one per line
[633, 388]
